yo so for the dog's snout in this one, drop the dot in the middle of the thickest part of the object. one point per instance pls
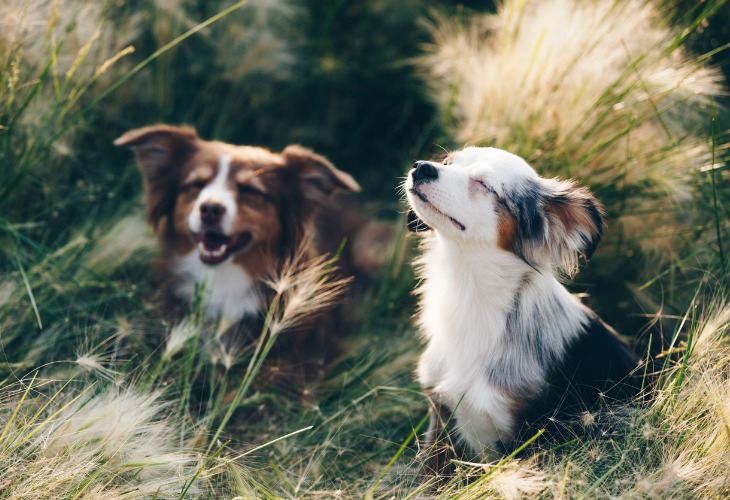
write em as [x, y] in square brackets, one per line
[211, 213]
[423, 170]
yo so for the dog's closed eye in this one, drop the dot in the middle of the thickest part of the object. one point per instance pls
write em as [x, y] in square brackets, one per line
[254, 194]
[486, 187]
[245, 189]
[195, 185]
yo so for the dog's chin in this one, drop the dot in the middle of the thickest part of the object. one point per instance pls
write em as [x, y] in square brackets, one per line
[215, 247]
[430, 214]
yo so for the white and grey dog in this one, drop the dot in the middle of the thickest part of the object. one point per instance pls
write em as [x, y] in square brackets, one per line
[509, 349]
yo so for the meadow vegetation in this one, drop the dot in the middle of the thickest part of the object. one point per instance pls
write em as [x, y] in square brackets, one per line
[100, 398]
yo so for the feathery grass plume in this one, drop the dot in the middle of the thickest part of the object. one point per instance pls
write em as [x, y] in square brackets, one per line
[68, 38]
[178, 337]
[114, 442]
[226, 355]
[601, 91]
[96, 364]
[52, 53]
[691, 412]
[303, 287]
[72, 28]
[513, 481]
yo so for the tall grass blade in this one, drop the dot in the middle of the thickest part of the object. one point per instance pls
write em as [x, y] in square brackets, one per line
[17, 408]
[369, 494]
[28, 288]
[200, 469]
[714, 191]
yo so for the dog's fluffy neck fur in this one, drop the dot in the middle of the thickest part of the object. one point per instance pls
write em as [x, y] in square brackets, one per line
[228, 291]
[481, 346]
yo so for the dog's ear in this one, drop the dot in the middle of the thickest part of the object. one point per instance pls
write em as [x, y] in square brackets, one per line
[576, 221]
[160, 150]
[414, 223]
[317, 177]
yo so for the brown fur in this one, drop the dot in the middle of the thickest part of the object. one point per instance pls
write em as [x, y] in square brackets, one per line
[283, 199]
[571, 211]
[506, 229]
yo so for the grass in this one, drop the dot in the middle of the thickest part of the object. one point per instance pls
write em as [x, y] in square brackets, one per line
[99, 397]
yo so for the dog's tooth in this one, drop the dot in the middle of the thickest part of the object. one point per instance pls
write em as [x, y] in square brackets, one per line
[222, 249]
[201, 247]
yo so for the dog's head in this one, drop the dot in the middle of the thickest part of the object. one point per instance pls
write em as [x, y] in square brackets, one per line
[495, 198]
[224, 200]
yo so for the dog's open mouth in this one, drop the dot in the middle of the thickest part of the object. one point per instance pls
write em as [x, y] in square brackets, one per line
[214, 247]
[426, 201]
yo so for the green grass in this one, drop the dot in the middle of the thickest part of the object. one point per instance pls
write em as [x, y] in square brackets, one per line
[99, 397]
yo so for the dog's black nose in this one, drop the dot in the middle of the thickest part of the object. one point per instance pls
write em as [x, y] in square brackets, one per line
[212, 213]
[423, 170]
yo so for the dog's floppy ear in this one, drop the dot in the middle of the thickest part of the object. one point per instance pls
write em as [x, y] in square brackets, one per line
[576, 221]
[317, 177]
[414, 223]
[160, 151]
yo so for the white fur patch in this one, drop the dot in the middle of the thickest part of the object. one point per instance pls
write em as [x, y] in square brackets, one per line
[230, 293]
[217, 191]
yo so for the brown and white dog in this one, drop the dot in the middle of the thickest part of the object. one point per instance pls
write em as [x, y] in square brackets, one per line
[227, 215]
[509, 350]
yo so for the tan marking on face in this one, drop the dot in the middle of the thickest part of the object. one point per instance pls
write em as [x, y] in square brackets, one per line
[252, 178]
[255, 214]
[260, 218]
[506, 229]
[201, 173]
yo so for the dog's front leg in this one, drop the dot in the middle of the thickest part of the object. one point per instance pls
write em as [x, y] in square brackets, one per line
[440, 443]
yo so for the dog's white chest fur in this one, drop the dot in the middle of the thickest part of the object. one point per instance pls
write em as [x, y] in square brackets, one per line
[473, 360]
[230, 293]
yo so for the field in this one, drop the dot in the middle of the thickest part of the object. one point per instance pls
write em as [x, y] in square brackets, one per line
[100, 398]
